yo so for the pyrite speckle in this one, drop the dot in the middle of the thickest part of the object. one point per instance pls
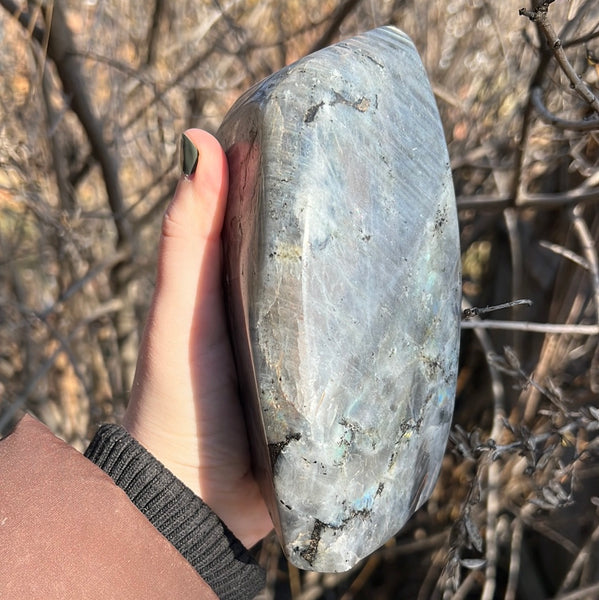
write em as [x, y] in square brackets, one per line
[343, 289]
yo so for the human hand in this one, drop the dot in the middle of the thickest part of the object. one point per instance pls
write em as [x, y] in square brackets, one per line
[184, 406]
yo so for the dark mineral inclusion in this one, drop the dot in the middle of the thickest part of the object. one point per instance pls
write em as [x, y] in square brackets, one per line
[343, 288]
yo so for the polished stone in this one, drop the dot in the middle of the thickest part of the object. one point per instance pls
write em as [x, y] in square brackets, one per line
[342, 278]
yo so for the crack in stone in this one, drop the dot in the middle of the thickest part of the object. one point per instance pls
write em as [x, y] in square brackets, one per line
[311, 550]
[311, 112]
[275, 449]
[362, 104]
[309, 553]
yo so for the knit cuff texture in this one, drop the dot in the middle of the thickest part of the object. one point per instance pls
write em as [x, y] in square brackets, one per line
[180, 516]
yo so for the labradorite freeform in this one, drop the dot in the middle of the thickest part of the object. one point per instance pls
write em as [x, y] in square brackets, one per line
[343, 287]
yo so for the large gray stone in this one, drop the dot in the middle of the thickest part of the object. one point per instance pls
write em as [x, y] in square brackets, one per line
[342, 278]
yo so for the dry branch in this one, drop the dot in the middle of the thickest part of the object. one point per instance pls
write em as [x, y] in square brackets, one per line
[540, 16]
[591, 124]
[565, 328]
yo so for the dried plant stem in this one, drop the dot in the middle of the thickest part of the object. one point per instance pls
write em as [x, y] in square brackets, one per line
[295, 583]
[540, 16]
[108, 308]
[590, 591]
[515, 559]
[360, 581]
[467, 586]
[494, 472]
[540, 201]
[430, 542]
[589, 250]
[573, 329]
[93, 272]
[536, 440]
[576, 568]
[566, 253]
[493, 507]
[551, 119]
[510, 216]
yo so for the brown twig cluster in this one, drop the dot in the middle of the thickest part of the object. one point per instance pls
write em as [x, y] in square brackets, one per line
[93, 97]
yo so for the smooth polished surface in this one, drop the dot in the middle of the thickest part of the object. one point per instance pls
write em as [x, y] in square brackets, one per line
[342, 279]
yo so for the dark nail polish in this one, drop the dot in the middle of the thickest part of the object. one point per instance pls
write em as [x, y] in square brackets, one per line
[189, 156]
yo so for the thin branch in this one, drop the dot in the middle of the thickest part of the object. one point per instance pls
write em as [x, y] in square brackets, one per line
[108, 308]
[362, 578]
[581, 40]
[430, 542]
[537, 201]
[467, 586]
[158, 15]
[510, 217]
[92, 273]
[493, 473]
[590, 591]
[161, 91]
[572, 329]
[522, 143]
[475, 311]
[589, 250]
[131, 72]
[61, 48]
[24, 18]
[515, 559]
[583, 556]
[339, 15]
[540, 16]
[551, 119]
[566, 253]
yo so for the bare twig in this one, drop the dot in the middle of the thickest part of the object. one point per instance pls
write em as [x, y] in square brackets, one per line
[61, 49]
[339, 15]
[107, 308]
[510, 217]
[566, 253]
[493, 472]
[77, 285]
[468, 585]
[158, 15]
[430, 542]
[24, 18]
[590, 591]
[589, 250]
[572, 329]
[540, 16]
[360, 581]
[579, 125]
[474, 311]
[515, 559]
[527, 200]
[583, 556]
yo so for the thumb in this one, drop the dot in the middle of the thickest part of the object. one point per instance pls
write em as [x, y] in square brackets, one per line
[189, 258]
[187, 307]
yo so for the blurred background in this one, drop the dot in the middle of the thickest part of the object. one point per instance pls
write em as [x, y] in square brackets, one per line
[93, 98]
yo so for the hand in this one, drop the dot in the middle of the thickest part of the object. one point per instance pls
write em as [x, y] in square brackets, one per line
[184, 407]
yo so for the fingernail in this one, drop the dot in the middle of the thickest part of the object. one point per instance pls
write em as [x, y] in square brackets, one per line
[189, 156]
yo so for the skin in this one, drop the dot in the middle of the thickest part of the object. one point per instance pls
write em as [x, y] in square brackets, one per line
[184, 407]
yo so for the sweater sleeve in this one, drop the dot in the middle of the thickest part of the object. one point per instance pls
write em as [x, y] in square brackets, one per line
[178, 514]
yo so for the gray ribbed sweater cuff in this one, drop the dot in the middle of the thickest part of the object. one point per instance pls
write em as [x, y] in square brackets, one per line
[181, 516]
